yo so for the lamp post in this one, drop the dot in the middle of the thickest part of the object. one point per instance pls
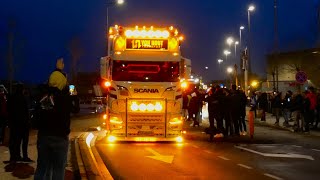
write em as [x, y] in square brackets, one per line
[248, 63]
[229, 71]
[240, 33]
[235, 48]
[226, 53]
[111, 3]
[219, 62]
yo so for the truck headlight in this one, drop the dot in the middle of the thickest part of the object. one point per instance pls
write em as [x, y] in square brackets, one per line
[175, 121]
[115, 120]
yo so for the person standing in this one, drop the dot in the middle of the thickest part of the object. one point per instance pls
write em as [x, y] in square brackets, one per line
[263, 105]
[276, 105]
[3, 113]
[54, 128]
[19, 125]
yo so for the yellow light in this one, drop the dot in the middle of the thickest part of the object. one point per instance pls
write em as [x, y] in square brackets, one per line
[107, 84]
[110, 31]
[112, 138]
[171, 28]
[137, 27]
[134, 106]
[116, 26]
[173, 44]
[184, 84]
[179, 139]
[144, 27]
[158, 106]
[181, 38]
[120, 44]
[142, 107]
[104, 116]
[175, 54]
[115, 120]
[118, 52]
[184, 132]
[150, 107]
[111, 36]
[176, 32]
[151, 27]
[254, 83]
[175, 121]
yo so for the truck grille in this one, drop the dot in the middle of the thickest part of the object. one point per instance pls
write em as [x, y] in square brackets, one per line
[145, 118]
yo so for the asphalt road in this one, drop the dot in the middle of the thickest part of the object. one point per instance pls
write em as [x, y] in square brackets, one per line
[272, 154]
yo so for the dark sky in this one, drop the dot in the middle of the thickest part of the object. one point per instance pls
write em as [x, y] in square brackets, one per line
[44, 29]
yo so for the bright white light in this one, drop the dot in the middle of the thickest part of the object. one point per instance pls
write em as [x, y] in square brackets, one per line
[229, 69]
[226, 52]
[220, 61]
[251, 8]
[120, 1]
[229, 41]
[236, 43]
[89, 139]
[241, 27]
[206, 67]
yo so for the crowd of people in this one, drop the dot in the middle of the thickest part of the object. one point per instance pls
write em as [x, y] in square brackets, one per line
[53, 109]
[301, 107]
[226, 109]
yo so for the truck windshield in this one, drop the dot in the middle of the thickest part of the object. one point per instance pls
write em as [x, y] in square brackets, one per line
[145, 71]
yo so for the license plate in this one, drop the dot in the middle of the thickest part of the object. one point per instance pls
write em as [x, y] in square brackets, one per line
[145, 133]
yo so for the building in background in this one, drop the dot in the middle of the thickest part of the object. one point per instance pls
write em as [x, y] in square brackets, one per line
[290, 67]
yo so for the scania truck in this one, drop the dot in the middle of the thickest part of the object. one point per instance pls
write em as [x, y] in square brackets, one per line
[144, 76]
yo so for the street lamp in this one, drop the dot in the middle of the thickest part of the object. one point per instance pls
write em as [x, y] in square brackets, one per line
[235, 48]
[240, 33]
[220, 61]
[229, 41]
[248, 63]
[226, 52]
[111, 3]
[229, 71]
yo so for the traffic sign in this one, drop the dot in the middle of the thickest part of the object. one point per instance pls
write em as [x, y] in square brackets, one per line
[301, 77]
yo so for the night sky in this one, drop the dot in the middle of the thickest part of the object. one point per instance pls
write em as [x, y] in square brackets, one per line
[43, 30]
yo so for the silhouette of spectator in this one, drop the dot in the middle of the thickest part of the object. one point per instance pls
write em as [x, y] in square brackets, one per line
[3, 113]
[54, 128]
[19, 125]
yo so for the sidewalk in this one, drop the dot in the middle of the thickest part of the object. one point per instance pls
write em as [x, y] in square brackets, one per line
[198, 132]
[22, 170]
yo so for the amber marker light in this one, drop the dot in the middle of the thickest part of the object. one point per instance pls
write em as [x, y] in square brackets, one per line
[107, 84]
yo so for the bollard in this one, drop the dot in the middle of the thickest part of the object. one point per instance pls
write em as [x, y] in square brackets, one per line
[251, 124]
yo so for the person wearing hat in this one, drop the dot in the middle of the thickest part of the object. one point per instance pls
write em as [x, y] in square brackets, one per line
[54, 128]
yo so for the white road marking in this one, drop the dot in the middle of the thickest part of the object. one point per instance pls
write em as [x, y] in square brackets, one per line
[159, 157]
[208, 151]
[296, 146]
[277, 155]
[195, 146]
[273, 176]
[244, 166]
[316, 150]
[224, 158]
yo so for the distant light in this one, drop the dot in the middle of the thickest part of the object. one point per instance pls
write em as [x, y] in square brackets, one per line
[229, 69]
[220, 61]
[207, 67]
[120, 1]
[229, 40]
[226, 52]
[236, 43]
[251, 8]
[241, 27]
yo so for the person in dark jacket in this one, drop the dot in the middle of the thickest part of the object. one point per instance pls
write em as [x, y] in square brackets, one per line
[185, 102]
[54, 128]
[19, 125]
[276, 105]
[287, 106]
[263, 105]
[243, 104]
[194, 106]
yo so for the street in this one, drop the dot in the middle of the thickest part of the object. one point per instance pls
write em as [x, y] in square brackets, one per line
[272, 154]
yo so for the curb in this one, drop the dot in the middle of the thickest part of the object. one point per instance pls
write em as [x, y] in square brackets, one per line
[90, 164]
